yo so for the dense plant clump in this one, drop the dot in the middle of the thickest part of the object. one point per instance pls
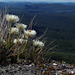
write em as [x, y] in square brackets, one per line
[18, 42]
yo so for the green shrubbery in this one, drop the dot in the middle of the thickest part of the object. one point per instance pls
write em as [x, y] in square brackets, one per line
[62, 56]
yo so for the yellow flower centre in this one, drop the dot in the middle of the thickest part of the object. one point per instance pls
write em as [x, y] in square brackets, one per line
[29, 30]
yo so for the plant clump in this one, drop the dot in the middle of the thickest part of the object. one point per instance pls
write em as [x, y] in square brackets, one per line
[17, 42]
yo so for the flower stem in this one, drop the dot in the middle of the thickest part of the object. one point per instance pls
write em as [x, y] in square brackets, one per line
[8, 42]
[22, 50]
[10, 32]
[13, 37]
[18, 36]
[25, 46]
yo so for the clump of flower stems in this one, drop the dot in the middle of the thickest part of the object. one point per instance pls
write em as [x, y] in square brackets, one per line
[17, 41]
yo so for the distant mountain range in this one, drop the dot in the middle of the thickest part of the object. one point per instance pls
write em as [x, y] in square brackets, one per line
[53, 8]
[23, 2]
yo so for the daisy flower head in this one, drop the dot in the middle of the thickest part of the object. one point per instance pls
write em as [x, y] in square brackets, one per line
[30, 33]
[12, 18]
[21, 26]
[22, 41]
[38, 43]
[14, 30]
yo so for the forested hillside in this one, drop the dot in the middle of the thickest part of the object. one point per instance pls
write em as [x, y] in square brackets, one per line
[58, 18]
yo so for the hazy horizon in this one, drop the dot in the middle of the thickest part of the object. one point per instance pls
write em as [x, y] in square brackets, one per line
[51, 1]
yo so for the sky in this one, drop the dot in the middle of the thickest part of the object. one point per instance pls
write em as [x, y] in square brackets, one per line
[39, 0]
